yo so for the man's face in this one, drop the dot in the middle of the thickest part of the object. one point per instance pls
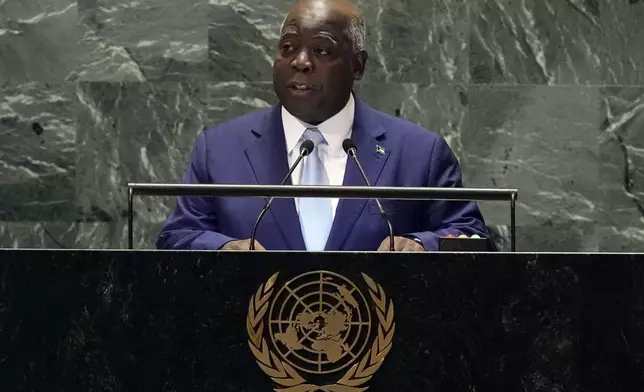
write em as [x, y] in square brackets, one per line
[315, 64]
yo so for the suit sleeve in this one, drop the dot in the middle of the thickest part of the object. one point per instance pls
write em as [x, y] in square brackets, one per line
[447, 217]
[193, 223]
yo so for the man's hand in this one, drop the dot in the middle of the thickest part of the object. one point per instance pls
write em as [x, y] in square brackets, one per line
[401, 244]
[241, 245]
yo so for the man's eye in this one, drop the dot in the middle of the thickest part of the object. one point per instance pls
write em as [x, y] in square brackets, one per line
[322, 51]
[287, 47]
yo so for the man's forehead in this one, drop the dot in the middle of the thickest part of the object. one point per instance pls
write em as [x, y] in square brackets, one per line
[295, 28]
[314, 13]
[321, 6]
[317, 20]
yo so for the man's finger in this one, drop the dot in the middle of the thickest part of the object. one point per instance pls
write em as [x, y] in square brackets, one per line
[258, 246]
[402, 244]
[413, 246]
[399, 244]
[232, 245]
[384, 245]
[242, 245]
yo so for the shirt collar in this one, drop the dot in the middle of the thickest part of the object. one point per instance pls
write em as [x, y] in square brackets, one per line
[334, 129]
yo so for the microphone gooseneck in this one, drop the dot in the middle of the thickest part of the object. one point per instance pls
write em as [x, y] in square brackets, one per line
[306, 148]
[350, 149]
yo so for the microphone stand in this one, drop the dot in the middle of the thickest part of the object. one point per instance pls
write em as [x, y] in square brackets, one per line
[353, 153]
[305, 149]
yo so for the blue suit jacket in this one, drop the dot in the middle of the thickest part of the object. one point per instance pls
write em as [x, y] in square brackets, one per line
[252, 150]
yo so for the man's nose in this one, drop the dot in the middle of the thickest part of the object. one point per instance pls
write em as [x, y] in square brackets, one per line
[302, 61]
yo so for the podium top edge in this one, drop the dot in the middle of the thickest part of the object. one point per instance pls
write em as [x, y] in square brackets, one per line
[292, 191]
[143, 185]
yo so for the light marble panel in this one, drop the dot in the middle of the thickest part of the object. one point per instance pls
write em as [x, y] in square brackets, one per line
[557, 42]
[37, 152]
[134, 132]
[622, 174]
[38, 41]
[543, 141]
[414, 42]
[146, 40]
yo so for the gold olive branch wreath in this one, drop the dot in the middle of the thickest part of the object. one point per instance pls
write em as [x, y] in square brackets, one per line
[288, 379]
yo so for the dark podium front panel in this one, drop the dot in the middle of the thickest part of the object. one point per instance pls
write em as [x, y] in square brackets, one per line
[338, 322]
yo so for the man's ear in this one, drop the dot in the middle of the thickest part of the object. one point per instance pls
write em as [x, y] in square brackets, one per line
[359, 64]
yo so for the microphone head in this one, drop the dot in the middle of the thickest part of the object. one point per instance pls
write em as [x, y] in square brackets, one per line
[348, 145]
[306, 147]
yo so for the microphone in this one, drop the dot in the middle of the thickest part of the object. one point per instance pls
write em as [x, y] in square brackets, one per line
[350, 148]
[305, 149]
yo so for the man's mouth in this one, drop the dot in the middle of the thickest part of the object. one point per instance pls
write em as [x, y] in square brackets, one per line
[301, 90]
[301, 87]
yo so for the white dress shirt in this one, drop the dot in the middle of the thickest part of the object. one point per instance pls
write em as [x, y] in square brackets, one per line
[334, 130]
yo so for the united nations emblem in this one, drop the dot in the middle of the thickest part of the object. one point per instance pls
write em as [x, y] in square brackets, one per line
[319, 324]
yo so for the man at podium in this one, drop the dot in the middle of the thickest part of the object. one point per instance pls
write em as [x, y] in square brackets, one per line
[319, 55]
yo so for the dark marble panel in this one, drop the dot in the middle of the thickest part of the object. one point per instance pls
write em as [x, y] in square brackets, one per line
[415, 42]
[134, 133]
[38, 41]
[79, 235]
[557, 42]
[547, 236]
[125, 136]
[114, 235]
[147, 40]
[622, 172]
[541, 140]
[170, 321]
[440, 109]
[620, 238]
[500, 235]
[37, 152]
[241, 42]
[423, 42]
[38, 235]
[228, 100]
[98, 297]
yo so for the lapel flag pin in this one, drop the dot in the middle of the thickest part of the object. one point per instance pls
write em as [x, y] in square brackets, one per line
[380, 150]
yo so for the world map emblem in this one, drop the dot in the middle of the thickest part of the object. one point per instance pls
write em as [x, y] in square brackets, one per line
[320, 326]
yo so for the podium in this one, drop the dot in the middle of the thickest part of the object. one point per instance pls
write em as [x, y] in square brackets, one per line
[345, 192]
[257, 321]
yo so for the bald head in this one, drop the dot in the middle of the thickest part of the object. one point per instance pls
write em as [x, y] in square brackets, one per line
[319, 56]
[354, 28]
[342, 6]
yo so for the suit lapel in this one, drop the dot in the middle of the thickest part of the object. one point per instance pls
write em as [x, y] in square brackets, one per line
[268, 159]
[368, 135]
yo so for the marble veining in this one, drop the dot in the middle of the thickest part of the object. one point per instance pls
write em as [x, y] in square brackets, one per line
[143, 41]
[134, 321]
[557, 42]
[543, 96]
